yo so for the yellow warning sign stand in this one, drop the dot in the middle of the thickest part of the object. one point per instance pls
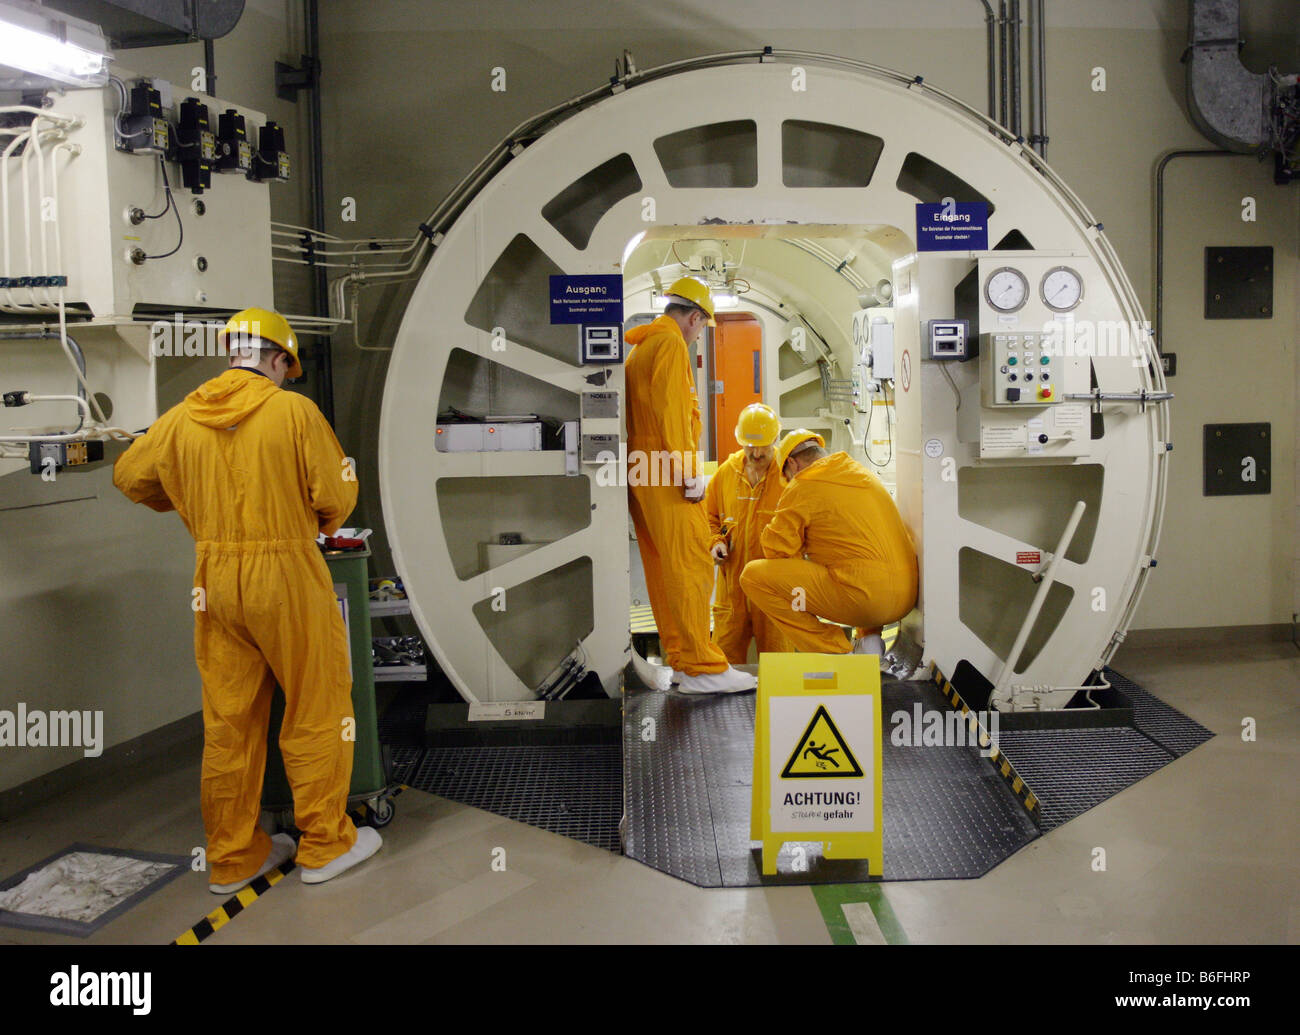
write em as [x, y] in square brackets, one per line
[817, 766]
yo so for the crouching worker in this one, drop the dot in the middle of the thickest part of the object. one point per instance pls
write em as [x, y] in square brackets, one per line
[256, 473]
[740, 501]
[836, 549]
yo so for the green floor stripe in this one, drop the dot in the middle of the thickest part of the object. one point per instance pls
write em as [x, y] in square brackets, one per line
[831, 899]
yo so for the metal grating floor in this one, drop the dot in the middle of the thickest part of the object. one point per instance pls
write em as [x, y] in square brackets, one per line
[572, 790]
[1168, 727]
[946, 812]
[1070, 771]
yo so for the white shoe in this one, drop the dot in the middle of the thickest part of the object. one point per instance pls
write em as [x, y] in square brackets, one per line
[368, 843]
[872, 644]
[656, 677]
[282, 848]
[678, 676]
[729, 681]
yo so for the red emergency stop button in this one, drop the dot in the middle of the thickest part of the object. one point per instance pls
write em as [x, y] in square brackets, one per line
[1044, 393]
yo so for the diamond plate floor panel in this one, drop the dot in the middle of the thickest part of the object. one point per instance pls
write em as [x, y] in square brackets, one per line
[946, 813]
[662, 764]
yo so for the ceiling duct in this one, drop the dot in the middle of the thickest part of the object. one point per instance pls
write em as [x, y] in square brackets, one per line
[153, 23]
[1237, 109]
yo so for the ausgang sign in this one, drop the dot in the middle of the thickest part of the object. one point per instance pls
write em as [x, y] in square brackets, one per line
[587, 298]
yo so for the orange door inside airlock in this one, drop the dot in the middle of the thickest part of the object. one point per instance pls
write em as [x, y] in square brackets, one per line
[738, 370]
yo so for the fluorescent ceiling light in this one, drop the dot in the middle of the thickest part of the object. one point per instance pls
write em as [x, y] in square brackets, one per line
[721, 300]
[39, 47]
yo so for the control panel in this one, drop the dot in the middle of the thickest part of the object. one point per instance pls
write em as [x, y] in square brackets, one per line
[1025, 307]
[946, 339]
[1019, 369]
[601, 343]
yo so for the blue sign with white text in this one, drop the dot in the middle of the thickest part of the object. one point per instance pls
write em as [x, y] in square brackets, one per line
[587, 298]
[961, 226]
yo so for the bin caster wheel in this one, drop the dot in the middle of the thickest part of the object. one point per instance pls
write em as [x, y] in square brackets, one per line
[380, 814]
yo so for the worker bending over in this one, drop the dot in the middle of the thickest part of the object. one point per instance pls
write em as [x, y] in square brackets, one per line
[836, 549]
[739, 502]
[256, 473]
[663, 425]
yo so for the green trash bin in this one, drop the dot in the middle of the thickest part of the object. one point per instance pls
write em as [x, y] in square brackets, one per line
[349, 571]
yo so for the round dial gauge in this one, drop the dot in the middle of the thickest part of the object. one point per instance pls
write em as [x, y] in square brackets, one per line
[1062, 289]
[1006, 289]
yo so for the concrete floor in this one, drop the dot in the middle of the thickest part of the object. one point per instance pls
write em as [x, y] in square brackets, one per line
[1203, 851]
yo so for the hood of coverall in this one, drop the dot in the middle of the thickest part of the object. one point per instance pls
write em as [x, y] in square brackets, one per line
[664, 323]
[837, 469]
[227, 400]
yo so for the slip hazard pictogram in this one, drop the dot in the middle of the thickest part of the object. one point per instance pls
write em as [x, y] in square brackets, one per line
[821, 751]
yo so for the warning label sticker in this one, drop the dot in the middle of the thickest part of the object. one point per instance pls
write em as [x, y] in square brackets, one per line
[822, 763]
[993, 436]
[821, 751]
[1029, 557]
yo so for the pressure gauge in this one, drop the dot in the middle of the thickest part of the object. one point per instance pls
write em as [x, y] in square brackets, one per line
[1061, 289]
[1006, 289]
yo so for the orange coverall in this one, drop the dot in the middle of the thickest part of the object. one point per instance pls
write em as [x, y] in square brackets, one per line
[256, 473]
[663, 416]
[860, 567]
[738, 512]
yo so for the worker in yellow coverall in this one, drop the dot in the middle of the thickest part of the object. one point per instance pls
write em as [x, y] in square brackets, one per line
[256, 473]
[665, 487]
[836, 548]
[739, 502]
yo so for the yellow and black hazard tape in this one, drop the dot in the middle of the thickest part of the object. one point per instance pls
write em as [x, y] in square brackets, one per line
[235, 905]
[1001, 763]
[641, 618]
[245, 897]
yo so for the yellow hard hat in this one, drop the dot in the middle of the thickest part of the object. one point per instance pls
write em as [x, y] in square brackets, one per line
[793, 441]
[758, 425]
[696, 292]
[263, 323]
